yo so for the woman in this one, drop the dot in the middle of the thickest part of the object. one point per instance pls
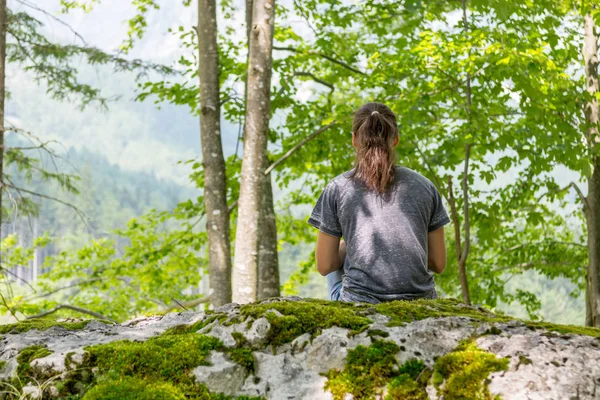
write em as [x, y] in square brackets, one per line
[391, 218]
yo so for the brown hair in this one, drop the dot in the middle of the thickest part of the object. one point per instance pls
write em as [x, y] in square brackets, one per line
[375, 130]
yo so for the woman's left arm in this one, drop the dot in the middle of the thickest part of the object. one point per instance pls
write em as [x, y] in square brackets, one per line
[330, 253]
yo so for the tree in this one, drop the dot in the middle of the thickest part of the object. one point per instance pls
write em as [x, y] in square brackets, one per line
[591, 203]
[215, 190]
[256, 131]
[22, 43]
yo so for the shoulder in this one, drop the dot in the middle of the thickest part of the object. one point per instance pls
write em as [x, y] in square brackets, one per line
[404, 174]
[341, 181]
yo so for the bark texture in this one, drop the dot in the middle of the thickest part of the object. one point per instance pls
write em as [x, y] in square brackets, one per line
[592, 202]
[215, 194]
[268, 261]
[256, 129]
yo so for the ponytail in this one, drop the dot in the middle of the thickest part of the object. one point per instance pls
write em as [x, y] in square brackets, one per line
[375, 131]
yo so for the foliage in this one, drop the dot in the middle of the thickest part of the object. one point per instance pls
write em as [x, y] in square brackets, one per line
[505, 83]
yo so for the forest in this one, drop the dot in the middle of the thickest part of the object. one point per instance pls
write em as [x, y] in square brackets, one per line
[497, 105]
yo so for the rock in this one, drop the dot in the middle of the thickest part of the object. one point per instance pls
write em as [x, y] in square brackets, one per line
[311, 350]
[30, 391]
[223, 376]
[257, 333]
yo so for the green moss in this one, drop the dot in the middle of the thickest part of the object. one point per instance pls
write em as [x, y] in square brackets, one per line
[242, 353]
[133, 389]
[168, 357]
[524, 361]
[243, 357]
[192, 328]
[403, 312]
[465, 371]
[41, 324]
[565, 329]
[404, 387]
[25, 372]
[373, 333]
[367, 370]
[3, 365]
[493, 331]
[310, 316]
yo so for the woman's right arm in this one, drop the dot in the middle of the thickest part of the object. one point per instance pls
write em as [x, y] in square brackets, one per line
[436, 251]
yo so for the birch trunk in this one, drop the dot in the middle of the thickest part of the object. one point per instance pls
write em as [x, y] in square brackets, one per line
[592, 203]
[256, 129]
[215, 194]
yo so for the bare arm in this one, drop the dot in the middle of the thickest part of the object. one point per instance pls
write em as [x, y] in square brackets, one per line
[436, 251]
[330, 253]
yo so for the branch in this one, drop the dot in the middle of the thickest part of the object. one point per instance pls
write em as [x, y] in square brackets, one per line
[430, 168]
[297, 146]
[185, 304]
[60, 21]
[288, 154]
[6, 270]
[513, 248]
[43, 196]
[323, 55]
[8, 308]
[50, 293]
[586, 205]
[72, 308]
[532, 264]
[314, 78]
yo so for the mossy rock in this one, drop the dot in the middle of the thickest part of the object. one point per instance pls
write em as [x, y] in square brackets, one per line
[25, 372]
[369, 369]
[133, 389]
[465, 372]
[41, 324]
[309, 316]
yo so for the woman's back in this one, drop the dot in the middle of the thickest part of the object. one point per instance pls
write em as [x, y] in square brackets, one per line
[385, 234]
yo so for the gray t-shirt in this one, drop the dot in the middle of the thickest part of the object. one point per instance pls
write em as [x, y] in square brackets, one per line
[386, 235]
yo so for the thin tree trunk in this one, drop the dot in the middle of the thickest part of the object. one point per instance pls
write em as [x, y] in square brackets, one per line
[462, 272]
[464, 254]
[268, 261]
[3, 24]
[592, 203]
[256, 129]
[215, 194]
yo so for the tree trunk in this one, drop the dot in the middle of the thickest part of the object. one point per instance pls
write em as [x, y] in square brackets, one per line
[268, 261]
[464, 254]
[592, 203]
[215, 193]
[256, 129]
[3, 24]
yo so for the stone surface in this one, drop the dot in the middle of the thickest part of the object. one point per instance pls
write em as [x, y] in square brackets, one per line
[543, 364]
[223, 376]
